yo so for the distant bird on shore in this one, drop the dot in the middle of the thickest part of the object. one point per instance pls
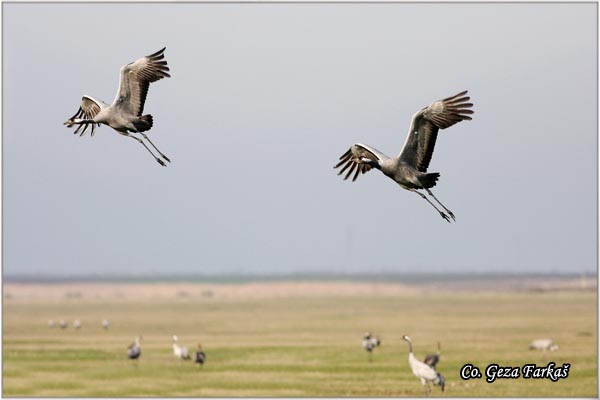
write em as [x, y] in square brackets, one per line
[543, 345]
[180, 351]
[369, 343]
[200, 356]
[105, 323]
[423, 371]
[63, 324]
[77, 324]
[125, 113]
[409, 168]
[433, 359]
[135, 349]
[51, 323]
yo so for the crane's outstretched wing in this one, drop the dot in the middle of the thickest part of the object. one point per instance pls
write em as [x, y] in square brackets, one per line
[135, 80]
[426, 123]
[353, 160]
[87, 110]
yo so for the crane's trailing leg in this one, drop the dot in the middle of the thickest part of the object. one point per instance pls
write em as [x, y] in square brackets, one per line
[433, 205]
[161, 162]
[443, 206]
[156, 148]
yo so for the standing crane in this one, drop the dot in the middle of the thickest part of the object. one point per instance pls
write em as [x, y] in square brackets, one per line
[200, 356]
[369, 343]
[433, 359]
[125, 113]
[423, 371]
[135, 349]
[409, 168]
[180, 351]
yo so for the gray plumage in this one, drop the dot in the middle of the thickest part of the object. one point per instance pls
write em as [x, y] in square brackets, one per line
[125, 113]
[180, 351]
[423, 371]
[135, 349]
[409, 168]
[200, 357]
[433, 359]
[370, 342]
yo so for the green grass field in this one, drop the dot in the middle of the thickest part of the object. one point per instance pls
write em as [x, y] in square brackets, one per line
[303, 346]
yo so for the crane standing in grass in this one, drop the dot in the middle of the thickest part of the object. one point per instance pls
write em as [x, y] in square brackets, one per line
[369, 343]
[200, 356]
[135, 349]
[423, 371]
[433, 359]
[409, 168]
[180, 351]
[125, 113]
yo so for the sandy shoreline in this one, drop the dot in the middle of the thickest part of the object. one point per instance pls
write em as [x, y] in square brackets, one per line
[251, 290]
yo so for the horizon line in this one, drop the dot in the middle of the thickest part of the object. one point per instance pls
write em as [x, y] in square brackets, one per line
[310, 276]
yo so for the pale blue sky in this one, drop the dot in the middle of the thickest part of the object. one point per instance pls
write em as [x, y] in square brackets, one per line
[263, 100]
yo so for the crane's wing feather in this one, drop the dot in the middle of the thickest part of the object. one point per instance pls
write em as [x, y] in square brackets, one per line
[88, 109]
[431, 360]
[352, 159]
[426, 123]
[135, 80]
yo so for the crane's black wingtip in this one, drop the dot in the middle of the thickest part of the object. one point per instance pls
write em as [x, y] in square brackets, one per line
[158, 53]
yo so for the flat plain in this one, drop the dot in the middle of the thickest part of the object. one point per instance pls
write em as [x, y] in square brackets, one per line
[294, 339]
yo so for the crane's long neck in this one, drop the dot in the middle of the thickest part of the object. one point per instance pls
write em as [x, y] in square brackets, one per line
[410, 350]
[411, 358]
